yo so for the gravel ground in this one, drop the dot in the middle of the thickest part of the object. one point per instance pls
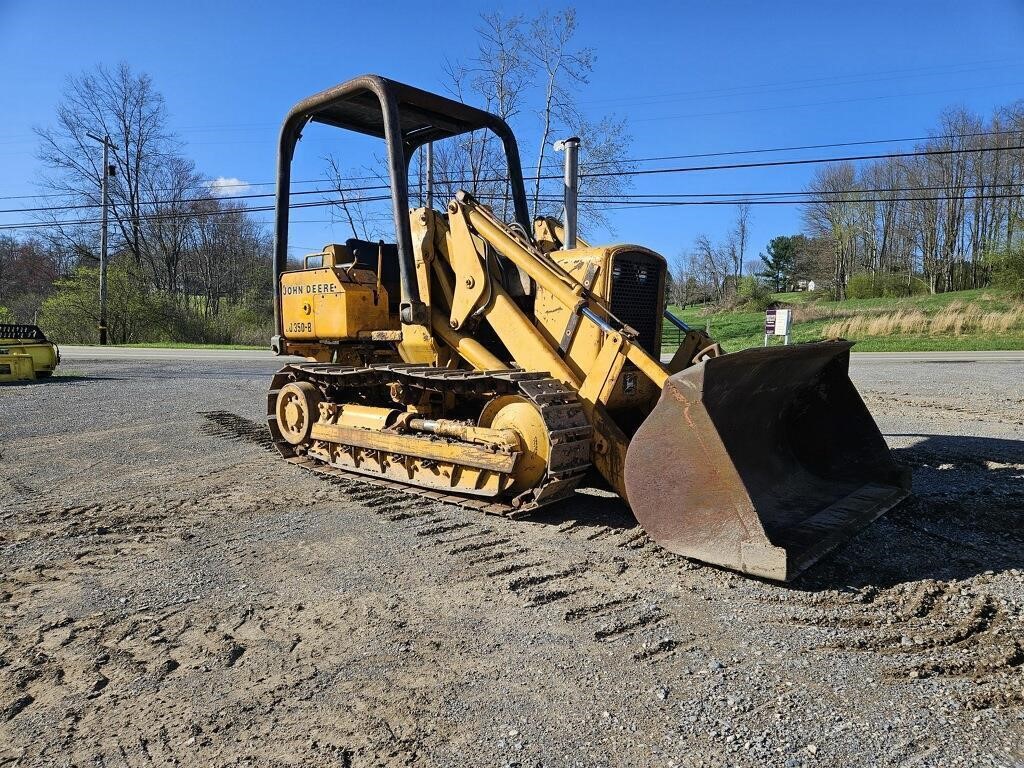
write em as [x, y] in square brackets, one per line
[171, 593]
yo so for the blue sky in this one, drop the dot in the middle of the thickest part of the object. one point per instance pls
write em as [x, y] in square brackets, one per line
[690, 77]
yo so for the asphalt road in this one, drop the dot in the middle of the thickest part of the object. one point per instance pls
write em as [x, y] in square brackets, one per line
[135, 353]
[71, 352]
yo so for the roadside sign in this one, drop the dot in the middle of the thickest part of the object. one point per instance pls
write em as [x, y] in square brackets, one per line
[776, 323]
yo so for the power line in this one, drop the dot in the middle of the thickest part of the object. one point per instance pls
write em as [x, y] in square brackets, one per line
[598, 203]
[837, 192]
[813, 146]
[186, 200]
[642, 172]
[808, 161]
[817, 82]
[191, 214]
[624, 161]
[808, 201]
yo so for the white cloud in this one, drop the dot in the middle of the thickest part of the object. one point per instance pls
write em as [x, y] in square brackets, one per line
[228, 186]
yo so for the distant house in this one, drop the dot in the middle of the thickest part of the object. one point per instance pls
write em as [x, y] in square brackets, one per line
[804, 285]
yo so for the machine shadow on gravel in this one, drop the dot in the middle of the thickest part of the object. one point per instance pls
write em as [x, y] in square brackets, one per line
[965, 519]
[588, 509]
[58, 378]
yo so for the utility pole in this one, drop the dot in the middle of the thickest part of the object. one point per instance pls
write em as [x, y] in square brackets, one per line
[108, 170]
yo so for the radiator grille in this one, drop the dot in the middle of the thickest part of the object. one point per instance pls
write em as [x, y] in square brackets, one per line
[636, 295]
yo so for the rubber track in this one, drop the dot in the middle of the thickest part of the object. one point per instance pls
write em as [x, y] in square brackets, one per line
[557, 403]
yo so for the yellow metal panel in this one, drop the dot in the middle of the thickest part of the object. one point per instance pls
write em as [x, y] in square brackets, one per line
[604, 372]
[364, 416]
[420, 447]
[15, 366]
[319, 304]
[553, 315]
[42, 354]
[471, 280]
[418, 345]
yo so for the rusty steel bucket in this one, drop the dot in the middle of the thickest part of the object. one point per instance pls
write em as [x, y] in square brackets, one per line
[761, 461]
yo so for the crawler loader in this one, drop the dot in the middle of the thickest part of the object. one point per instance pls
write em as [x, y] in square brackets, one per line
[480, 362]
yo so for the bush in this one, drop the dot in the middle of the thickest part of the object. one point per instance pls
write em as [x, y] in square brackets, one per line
[887, 285]
[136, 314]
[71, 314]
[6, 316]
[754, 295]
[1008, 272]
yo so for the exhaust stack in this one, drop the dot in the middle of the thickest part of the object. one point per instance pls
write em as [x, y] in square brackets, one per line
[571, 147]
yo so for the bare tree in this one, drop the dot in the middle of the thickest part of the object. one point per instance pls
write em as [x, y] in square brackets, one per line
[522, 69]
[360, 209]
[741, 234]
[127, 107]
[565, 69]
[171, 241]
[835, 215]
[711, 262]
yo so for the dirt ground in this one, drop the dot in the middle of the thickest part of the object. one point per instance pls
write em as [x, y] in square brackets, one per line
[171, 593]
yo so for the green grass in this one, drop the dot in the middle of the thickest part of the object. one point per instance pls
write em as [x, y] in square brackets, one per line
[736, 330]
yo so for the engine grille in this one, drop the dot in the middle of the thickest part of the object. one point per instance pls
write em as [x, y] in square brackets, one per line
[637, 280]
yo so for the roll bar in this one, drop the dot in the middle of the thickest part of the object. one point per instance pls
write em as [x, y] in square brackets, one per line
[406, 118]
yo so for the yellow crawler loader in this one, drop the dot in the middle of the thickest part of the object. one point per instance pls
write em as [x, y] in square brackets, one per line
[26, 353]
[483, 362]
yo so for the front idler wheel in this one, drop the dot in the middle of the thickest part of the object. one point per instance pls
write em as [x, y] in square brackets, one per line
[298, 408]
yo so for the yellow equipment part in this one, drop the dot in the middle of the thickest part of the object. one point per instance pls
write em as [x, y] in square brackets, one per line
[334, 301]
[19, 342]
[16, 366]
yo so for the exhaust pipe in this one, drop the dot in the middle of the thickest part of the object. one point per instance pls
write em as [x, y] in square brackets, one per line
[571, 147]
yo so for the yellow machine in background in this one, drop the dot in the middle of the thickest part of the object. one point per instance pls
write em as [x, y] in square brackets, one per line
[484, 363]
[25, 353]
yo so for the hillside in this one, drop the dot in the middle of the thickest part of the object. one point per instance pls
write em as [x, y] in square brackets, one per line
[962, 320]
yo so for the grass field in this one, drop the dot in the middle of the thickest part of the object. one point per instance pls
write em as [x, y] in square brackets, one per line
[983, 319]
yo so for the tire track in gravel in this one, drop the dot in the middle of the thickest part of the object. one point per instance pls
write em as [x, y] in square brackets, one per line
[72, 676]
[132, 668]
[931, 629]
[576, 569]
[1009, 411]
[940, 610]
[525, 558]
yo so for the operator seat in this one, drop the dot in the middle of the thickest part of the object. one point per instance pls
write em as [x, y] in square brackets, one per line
[366, 254]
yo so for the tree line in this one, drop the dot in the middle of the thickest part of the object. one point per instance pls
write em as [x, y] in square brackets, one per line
[943, 215]
[946, 216]
[184, 264]
[187, 265]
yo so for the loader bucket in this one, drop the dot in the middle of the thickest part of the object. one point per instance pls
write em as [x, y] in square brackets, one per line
[761, 461]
